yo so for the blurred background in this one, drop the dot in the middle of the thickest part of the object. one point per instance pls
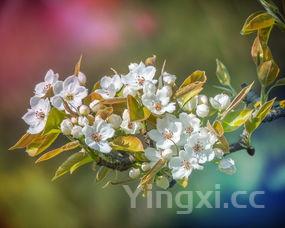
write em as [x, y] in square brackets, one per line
[36, 35]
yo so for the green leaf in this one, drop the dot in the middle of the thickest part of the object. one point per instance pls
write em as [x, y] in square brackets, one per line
[223, 74]
[235, 119]
[268, 73]
[55, 152]
[127, 143]
[235, 102]
[102, 173]
[69, 163]
[84, 161]
[24, 141]
[137, 111]
[253, 123]
[41, 143]
[55, 117]
[256, 21]
[280, 82]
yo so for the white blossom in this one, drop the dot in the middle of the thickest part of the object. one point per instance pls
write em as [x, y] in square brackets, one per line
[42, 88]
[201, 144]
[76, 132]
[154, 155]
[227, 165]
[130, 127]
[136, 78]
[109, 86]
[159, 101]
[168, 79]
[66, 126]
[190, 125]
[202, 110]
[168, 132]
[115, 120]
[220, 101]
[69, 91]
[183, 165]
[96, 136]
[37, 115]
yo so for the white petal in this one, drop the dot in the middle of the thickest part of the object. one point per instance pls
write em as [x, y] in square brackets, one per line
[104, 147]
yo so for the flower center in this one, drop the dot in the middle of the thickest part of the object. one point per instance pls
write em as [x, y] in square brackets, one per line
[198, 147]
[40, 114]
[189, 130]
[186, 164]
[140, 80]
[157, 106]
[69, 97]
[47, 87]
[130, 125]
[97, 137]
[167, 134]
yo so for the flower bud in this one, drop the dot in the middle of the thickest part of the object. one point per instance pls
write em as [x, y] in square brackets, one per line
[202, 99]
[202, 110]
[76, 132]
[82, 78]
[219, 153]
[220, 101]
[162, 182]
[73, 120]
[83, 121]
[94, 105]
[168, 79]
[66, 127]
[134, 173]
[191, 105]
[227, 165]
[115, 120]
[84, 110]
[145, 166]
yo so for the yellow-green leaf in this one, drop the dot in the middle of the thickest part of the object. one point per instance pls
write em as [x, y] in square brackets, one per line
[55, 152]
[69, 163]
[253, 123]
[55, 117]
[41, 143]
[235, 119]
[223, 74]
[267, 72]
[196, 80]
[260, 52]
[24, 141]
[218, 130]
[183, 182]
[150, 60]
[257, 21]
[127, 143]
[137, 111]
[235, 102]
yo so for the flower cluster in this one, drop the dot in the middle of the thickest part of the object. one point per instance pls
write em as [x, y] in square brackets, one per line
[140, 112]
